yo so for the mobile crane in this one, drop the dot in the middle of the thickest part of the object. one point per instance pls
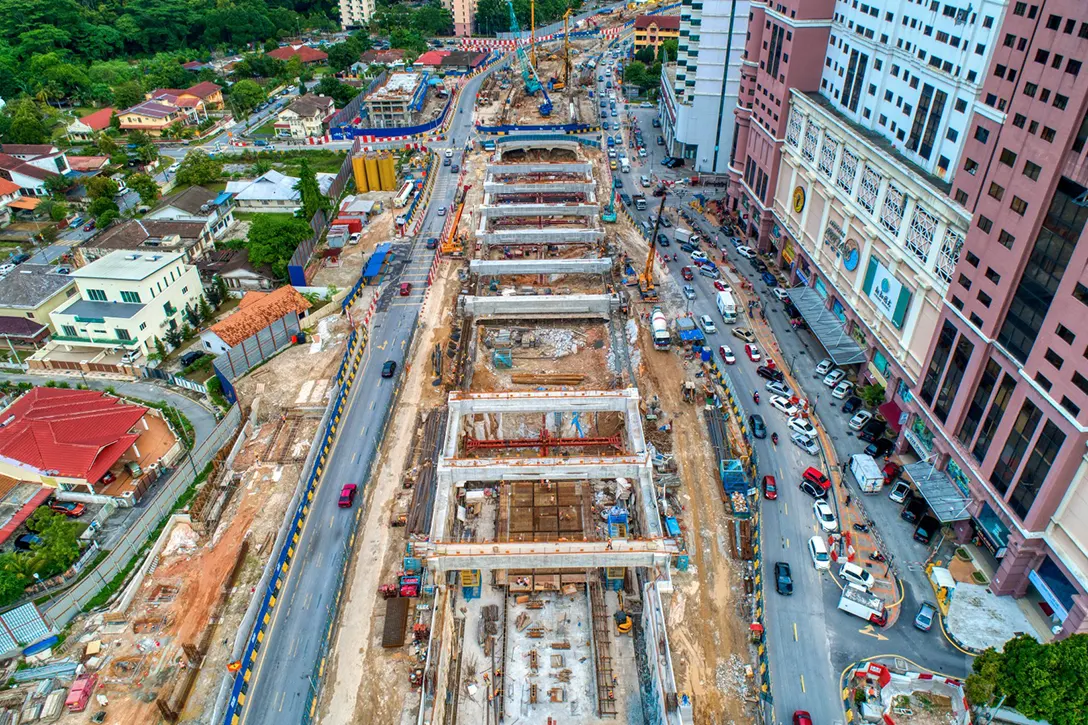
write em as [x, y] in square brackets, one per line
[608, 215]
[528, 72]
[646, 287]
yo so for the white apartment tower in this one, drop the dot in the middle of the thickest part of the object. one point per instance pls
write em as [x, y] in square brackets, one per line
[699, 92]
[912, 72]
[355, 13]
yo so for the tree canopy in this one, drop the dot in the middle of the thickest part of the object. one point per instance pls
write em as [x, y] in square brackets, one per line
[199, 168]
[309, 192]
[273, 238]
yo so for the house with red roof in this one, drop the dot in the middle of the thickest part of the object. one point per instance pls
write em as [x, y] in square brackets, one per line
[256, 311]
[83, 441]
[9, 192]
[306, 54]
[84, 129]
[153, 117]
[206, 94]
[29, 165]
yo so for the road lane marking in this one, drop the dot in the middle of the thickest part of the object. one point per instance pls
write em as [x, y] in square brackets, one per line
[283, 695]
[306, 601]
[355, 456]
[802, 683]
[787, 542]
[785, 509]
[795, 631]
[870, 631]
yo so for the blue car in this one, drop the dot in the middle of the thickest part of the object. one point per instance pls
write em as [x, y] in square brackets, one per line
[769, 278]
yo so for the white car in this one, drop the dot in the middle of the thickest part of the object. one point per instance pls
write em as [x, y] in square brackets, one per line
[817, 549]
[642, 153]
[860, 419]
[842, 389]
[825, 516]
[899, 491]
[726, 354]
[746, 252]
[699, 256]
[854, 574]
[707, 324]
[832, 379]
[806, 444]
[441, 211]
[780, 293]
[449, 153]
[802, 426]
[784, 405]
[7, 268]
[824, 366]
[645, 104]
[611, 153]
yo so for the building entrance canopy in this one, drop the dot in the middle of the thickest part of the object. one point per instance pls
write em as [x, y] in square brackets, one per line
[940, 492]
[827, 327]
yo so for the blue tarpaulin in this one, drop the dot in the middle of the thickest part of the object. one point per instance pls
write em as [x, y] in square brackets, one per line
[691, 335]
[376, 260]
[224, 197]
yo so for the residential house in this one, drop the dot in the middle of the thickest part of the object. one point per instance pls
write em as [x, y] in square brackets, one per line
[208, 94]
[431, 60]
[391, 56]
[27, 295]
[125, 301]
[188, 238]
[234, 267]
[306, 54]
[305, 117]
[650, 30]
[272, 192]
[9, 192]
[84, 129]
[29, 165]
[88, 165]
[256, 311]
[152, 117]
[197, 204]
[84, 441]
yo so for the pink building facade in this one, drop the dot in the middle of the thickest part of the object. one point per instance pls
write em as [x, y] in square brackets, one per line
[1004, 394]
[785, 49]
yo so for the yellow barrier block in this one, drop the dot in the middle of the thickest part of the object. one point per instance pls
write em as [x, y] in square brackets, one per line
[242, 695]
[272, 602]
[849, 716]
[235, 719]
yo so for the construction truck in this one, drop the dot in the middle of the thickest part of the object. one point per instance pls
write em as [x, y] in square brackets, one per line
[659, 327]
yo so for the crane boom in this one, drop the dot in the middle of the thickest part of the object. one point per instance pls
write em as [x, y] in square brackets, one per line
[528, 72]
[646, 279]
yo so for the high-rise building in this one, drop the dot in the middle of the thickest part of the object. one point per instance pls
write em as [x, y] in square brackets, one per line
[464, 16]
[1005, 392]
[699, 90]
[355, 13]
[785, 49]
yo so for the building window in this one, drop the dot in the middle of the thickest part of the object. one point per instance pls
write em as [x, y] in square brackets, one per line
[1065, 334]
[937, 362]
[984, 298]
[1053, 22]
[978, 402]
[1018, 205]
[1040, 462]
[1060, 101]
[984, 223]
[1031, 170]
[1007, 157]
[122, 334]
[952, 134]
[1018, 120]
[1054, 358]
[1041, 56]
[127, 296]
[996, 190]
[69, 330]
[970, 166]
[1080, 292]
[1006, 239]
[1047, 134]
[952, 379]
[1073, 67]
[1081, 382]
[96, 295]
[1030, 89]
[993, 276]
[961, 197]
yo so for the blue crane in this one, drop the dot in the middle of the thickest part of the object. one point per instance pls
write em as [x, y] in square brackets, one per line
[528, 73]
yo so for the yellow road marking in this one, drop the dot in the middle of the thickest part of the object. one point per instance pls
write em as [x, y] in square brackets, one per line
[795, 631]
[870, 631]
[802, 683]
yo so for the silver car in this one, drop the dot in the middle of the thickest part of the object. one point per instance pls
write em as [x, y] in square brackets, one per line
[808, 445]
[776, 388]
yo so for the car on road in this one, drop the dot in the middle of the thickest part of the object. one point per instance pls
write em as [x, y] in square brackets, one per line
[824, 366]
[641, 151]
[685, 272]
[770, 488]
[388, 368]
[780, 294]
[707, 324]
[644, 181]
[759, 428]
[776, 387]
[455, 169]
[689, 292]
[744, 333]
[645, 104]
[853, 574]
[900, 491]
[825, 517]
[7, 268]
[800, 717]
[699, 256]
[769, 373]
[660, 140]
[614, 114]
[802, 426]
[873, 430]
[814, 491]
[89, 225]
[769, 279]
[617, 183]
[852, 403]
[613, 165]
[447, 161]
[783, 579]
[844, 388]
[726, 354]
[752, 352]
[879, 448]
[806, 444]
[783, 405]
[817, 549]
[68, 508]
[720, 286]
[832, 378]
[924, 619]
[816, 477]
[405, 289]
[449, 153]
[432, 243]
[347, 495]
[190, 357]
[663, 241]
[441, 211]
[612, 153]
[746, 252]
[665, 221]
[860, 419]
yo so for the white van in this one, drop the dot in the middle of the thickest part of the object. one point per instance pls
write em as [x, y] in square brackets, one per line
[645, 181]
[817, 548]
[854, 574]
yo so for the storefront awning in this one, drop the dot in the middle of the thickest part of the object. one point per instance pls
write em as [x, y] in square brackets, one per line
[944, 498]
[827, 327]
[891, 413]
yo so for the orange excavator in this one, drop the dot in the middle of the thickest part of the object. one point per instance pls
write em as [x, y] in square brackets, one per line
[452, 246]
[646, 288]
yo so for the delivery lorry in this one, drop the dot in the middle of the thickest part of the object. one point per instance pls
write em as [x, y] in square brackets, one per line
[867, 473]
[860, 603]
[727, 306]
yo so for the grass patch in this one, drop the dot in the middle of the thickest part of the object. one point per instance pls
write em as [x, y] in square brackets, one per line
[979, 577]
[268, 129]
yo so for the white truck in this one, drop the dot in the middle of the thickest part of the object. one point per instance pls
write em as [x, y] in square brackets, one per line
[659, 326]
[682, 235]
[867, 473]
[860, 603]
[625, 165]
[727, 306]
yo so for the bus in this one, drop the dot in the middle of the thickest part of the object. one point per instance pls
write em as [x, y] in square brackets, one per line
[727, 306]
[405, 194]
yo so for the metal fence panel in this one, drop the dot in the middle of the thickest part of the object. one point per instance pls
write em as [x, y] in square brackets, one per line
[254, 350]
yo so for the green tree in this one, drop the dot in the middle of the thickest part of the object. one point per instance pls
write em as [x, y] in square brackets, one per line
[174, 338]
[60, 541]
[668, 50]
[100, 206]
[107, 217]
[105, 144]
[101, 187]
[245, 95]
[205, 309]
[58, 184]
[127, 94]
[49, 234]
[273, 238]
[645, 55]
[12, 583]
[160, 350]
[872, 395]
[145, 186]
[199, 168]
[26, 127]
[309, 192]
[341, 93]
[635, 75]
[148, 153]
[342, 55]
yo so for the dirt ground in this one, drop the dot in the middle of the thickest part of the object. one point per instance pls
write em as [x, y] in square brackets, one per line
[582, 349]
[346, 273]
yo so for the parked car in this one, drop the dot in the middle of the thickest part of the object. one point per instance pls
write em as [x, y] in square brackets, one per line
[768, 373]
[746, 252]
[832, 378]
[759, 428]
[769, 279]
[687, 274]
[89, 226]
[824, 366]
[879, 448]
[806, 444]
[825, 517]
[860, 420]
[852, 403]
[816, 477]
[873, 430]
[811, 490]
[720, 286]
[783, 405]
[190, 357]
[924, 619]
[744, 333]
[817, 549]
[853, 574]
[927, 527]
[68, 508]
[783, 579]
[405, 289]
[776, 387]
[915, 509]
[844, 388]
[900, 491]
[802, 426]
[389, 368]
[780, 293]
[26, 542]
[770, 488]
[347, 496]
[726, 354]
[752, 351]
[891, 471]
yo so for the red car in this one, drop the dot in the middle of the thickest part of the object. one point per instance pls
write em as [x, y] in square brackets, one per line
[686, 273]
[726, 355]
[770, 489]
[752, 352]
[720, 286]
[802, 718]
[405, 289]
[816, 477]
[68, 508]
[347, 495]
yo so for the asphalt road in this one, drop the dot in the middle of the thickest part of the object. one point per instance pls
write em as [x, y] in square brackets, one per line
[809, 641]
[280, 690]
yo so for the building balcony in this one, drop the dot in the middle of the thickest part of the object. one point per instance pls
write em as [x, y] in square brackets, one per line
[104, 341]
[1075, 168]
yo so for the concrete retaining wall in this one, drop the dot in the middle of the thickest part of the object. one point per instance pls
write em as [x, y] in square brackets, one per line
[500, 267]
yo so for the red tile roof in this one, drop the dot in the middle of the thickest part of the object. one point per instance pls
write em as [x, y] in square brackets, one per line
[21, 167]
[8, 187]
[71, 433]
[304, 52]
[663, 22]
[204, 89]
[258, 310]
[98, 120]
[432, 57]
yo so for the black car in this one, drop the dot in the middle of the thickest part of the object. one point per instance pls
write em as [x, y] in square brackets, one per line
[852, 404]
[389, 368]
[879, 448]
[783, 580]
[626, 199]
[813, 490]
[663, 241]
[432, 243]
[190, 357]
[759, 428]
[759, 265]
[873, 429]
[688, 247]
[927, 527]
[665, 222]
[770, 373]
[915, 509]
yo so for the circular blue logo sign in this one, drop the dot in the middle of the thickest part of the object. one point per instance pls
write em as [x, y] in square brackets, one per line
[850, 256]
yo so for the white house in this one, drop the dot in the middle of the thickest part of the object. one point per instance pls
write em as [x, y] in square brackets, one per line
[304, 117]
[29, 165]
[272, 192]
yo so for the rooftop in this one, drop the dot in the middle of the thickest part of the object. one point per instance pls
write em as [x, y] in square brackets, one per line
[10, 163]
[273, 185]
[398, 85]
[98, 120]
[190, 200]
[94, 310]
[128, 266]
[663, 22]
[29, 149]
[30, 285]
[8, 188]
[70, 433]
[20, 327]
[311, 105]
[257, 311]
[304, 52]
[153, 109]
[147, 233]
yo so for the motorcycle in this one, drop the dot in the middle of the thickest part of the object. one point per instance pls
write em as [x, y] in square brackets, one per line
[774, 438]
[862, 528]
[877, 556]
[755, 396]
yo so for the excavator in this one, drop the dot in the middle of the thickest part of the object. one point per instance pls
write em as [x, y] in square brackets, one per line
[646, 287]
[608, 214]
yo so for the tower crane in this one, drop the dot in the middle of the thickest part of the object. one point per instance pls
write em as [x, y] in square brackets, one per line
[528, 72]
[646, 287]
